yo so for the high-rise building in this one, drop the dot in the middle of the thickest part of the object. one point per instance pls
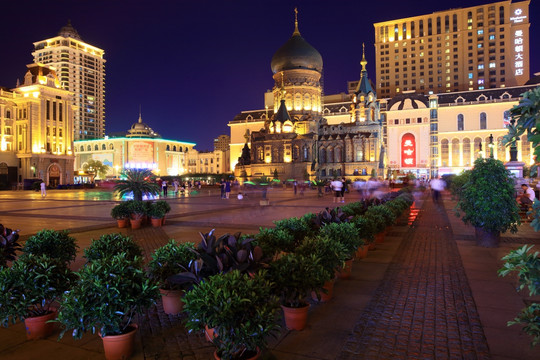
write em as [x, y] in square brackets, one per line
[222, 142]
[81, 70]
[474, 48]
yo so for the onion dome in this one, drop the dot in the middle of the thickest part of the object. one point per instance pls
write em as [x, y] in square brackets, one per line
[296, 53]
[69, 31]
[140, 129]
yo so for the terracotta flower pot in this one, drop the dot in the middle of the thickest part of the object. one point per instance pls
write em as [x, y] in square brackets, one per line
[295, 318]
[135, 223]
[163, 221]
[172, 301]
[119, 347]
[122, 223]
[379, 238]
[156, 222]
[256, 356]
[38, 328]
[345, 273]
[325, 297]
[209, 333]
[371, 246]
[362, 252]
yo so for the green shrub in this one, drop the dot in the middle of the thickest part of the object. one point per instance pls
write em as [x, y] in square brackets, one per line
[110, 245]
[331, 254]
[273, 241]
[298, 228]
[54, 244]
[344, 233]
[169, 260]
[121, 211]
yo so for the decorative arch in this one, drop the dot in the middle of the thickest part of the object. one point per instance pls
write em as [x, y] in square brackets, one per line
[467, 152]
[460, 122]
[111, 146]
[455, 152]
[168, 148]
[103, 147]
[337, 154]
[477, 146]
[96, 147]
[483, 121]
[82, 148]
[444, 152]
[88, 148]
[322, 155]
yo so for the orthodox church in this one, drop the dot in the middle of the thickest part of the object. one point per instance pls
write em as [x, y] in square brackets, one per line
[302, 134]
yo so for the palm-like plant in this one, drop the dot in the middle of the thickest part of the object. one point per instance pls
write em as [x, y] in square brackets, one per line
[138, 182]
[96, 167]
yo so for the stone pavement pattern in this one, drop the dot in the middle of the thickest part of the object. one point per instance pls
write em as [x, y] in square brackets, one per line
[424, 307]
[411, 298]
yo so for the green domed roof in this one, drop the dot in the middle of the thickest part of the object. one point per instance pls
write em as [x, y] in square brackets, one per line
[296, 53]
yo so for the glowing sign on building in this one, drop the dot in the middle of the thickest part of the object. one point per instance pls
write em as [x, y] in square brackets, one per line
[141, 152]
[518, 52]
[408, 150]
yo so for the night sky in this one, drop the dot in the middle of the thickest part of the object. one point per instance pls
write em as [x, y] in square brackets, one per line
[193, 65]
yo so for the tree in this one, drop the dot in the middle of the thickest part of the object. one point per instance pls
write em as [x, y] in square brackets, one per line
[276, 175]
[526, 118]
[138, 182]
[96, 167]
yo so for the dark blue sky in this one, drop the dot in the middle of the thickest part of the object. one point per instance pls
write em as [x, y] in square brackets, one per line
[193, 65]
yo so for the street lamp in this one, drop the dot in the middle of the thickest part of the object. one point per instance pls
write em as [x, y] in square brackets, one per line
[490, 145]
[480, 152]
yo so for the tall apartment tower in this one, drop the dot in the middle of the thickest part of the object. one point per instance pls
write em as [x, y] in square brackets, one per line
[222, 143]
[81, 70]
[474, 48]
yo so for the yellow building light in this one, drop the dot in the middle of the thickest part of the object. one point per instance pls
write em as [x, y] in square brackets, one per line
[268, 160]
[35, 94]
[287, 159]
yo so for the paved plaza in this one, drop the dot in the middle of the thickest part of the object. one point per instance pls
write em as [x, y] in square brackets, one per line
[427, 292]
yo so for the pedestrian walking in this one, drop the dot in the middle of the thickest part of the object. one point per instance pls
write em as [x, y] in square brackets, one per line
[295, 187]
[337, 186]
[437, 185]
[344, 189]
[222, 188]
[175, 183]
[43, 188]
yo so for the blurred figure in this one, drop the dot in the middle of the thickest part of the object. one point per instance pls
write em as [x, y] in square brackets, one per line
[337, 186]
[43, 188]
[437, 185]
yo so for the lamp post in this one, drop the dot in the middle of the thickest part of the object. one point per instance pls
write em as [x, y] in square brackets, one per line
[491, 146]
[480, 152]
[513, 147]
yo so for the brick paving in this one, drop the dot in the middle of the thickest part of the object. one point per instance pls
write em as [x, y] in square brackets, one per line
[424, 307]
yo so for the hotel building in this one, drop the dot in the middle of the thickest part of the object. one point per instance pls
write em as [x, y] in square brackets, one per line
[36, 130]
[81, 69]
[474, 48]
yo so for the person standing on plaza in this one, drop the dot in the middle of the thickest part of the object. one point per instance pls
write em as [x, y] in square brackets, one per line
[43, 188]
[344, 189]
[295, 186]
[175, 183]
[227, 189]
[437, 185]
[337, 186]
[164, 187]
[222, 188]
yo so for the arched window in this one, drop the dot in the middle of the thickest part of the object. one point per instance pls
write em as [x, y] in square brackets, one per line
[305, 151]
[168, 148]
[460, 122]
[477, 147]
[337, 155]
[438, 24]
[111, 147]
[455, 152]
[103, 147]
[96, 147]
[444, 152]
[330, 155]
[322, 155]
[454, 23]
[82, 148]
[483, 121]
[88, 148]
[260, 153]
[8, 114]
[466, 152]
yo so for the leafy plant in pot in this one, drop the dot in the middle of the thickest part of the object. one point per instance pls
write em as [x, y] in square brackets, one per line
[240, 308]
[156, 213]
[105, 298]
[487, 202]
[137, 183]
[29, 288]
[109, 245]
[121, 212]
[347, 235]
[386, 218]
[366, 230]
[295, 276]
[138, 210]
[166, 208]
[332, 256]
[54, 244]
[169, 260]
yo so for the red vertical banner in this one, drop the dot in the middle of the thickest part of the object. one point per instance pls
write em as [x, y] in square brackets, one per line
[408, 150]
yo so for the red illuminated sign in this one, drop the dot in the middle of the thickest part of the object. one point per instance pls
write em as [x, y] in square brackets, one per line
[408, 151]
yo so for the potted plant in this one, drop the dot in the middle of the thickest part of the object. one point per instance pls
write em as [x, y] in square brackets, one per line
[487, 202]
[28, 290]
[332, 256]
[385, 218]
[8, 245]
[294, 276]
[167, 261]
[55, 244]
[365, 229]
[273, 241]
[109, 245]
[138, 210]
[166, 208]
[241, 309]
[347, 235]
[121, 213]
[156, 213]
[109, 292]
